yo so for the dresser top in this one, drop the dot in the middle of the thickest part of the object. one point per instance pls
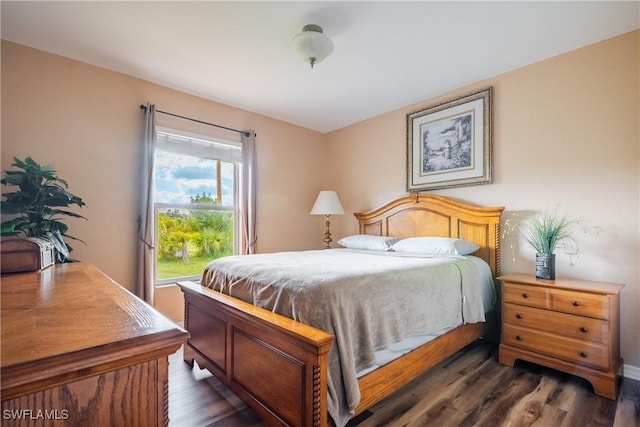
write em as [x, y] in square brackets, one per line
[564, 283]
[76, 312]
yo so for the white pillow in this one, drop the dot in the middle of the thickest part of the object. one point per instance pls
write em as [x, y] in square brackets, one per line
[435, 246]
[367, 241]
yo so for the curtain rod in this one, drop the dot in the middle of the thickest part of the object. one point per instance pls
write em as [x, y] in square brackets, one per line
[144, 108]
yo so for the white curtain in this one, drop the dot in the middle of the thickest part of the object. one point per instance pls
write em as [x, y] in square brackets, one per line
[248, 195]
[146, 227]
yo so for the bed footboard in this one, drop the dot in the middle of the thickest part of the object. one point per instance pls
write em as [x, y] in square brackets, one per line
[276, 365]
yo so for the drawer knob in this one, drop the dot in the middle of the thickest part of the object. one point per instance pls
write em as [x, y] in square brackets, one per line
[575, 303]
[518, 316]
[525, 295]
[519, 338]
[584, 329]
[583, 354]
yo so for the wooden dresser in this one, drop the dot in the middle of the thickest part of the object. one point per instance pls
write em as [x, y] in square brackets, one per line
[569, 325]
[77, 349]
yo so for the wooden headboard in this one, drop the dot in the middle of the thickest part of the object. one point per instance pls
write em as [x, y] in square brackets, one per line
[419, 215]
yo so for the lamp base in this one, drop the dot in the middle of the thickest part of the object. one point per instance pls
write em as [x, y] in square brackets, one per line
[327, 233]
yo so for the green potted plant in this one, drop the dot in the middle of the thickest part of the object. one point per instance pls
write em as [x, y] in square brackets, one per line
[545, 233]
[38, 205]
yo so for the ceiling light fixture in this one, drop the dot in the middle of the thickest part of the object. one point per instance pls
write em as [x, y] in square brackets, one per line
[312, 45]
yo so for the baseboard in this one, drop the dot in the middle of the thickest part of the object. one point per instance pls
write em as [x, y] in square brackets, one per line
[631, 372]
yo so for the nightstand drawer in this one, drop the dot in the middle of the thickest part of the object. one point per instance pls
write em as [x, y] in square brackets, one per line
[578, 327]
[567, 324]
[574, 351]
[525, 295]
[583, 304]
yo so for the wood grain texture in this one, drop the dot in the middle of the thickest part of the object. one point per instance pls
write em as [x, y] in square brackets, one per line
[586, 343]
[380, 383]
[418, 215]
[470, 388]
[285, 342]
[270, 361]
[593, 330]
[80, 346]
[123, 397]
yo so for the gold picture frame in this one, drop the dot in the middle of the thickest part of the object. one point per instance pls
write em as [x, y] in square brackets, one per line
[449, 144]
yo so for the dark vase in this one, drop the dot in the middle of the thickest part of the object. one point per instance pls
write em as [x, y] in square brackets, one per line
[546, 266]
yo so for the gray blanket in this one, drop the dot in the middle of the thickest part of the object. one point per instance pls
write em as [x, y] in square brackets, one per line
[366, 299]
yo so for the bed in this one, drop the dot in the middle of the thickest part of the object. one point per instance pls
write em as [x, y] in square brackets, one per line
[279, 366]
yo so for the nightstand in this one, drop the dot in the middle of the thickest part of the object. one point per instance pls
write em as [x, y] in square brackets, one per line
[565, 324]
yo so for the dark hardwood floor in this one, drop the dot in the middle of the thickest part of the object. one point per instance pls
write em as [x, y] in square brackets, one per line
[469, 389]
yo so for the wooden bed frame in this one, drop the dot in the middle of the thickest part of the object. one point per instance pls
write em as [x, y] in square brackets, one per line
[278, 366]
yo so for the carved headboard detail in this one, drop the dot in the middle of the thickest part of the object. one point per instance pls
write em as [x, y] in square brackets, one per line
[419, 215]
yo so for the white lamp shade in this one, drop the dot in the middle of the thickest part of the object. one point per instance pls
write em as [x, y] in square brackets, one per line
[312, 45]
[327, 203]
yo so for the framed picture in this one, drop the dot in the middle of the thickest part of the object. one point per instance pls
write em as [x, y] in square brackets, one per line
[449, 144]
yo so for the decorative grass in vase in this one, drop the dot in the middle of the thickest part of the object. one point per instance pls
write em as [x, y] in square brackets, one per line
[546, 233]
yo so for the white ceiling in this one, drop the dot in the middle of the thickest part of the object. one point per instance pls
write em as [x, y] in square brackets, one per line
[387, 54]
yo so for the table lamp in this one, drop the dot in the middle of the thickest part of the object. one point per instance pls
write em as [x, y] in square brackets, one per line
[327, 204]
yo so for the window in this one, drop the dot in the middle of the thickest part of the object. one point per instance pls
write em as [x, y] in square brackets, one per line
[196, 203]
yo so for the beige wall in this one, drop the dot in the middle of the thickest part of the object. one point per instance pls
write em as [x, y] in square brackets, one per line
[566, 132]
[86, 122]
